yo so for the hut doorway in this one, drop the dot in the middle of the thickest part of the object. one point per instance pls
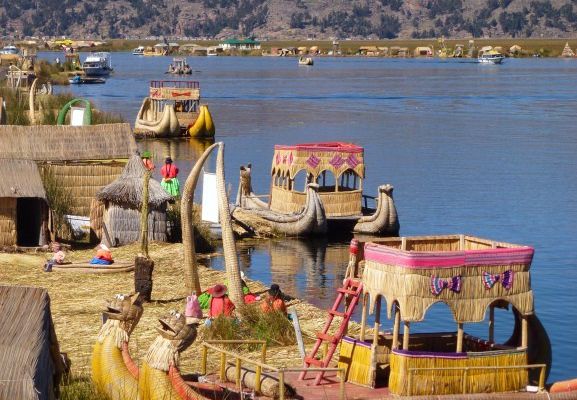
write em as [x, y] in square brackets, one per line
[28, 221]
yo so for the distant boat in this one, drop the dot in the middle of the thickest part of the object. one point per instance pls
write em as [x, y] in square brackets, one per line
[79, 80]
[491, 57]
[10, 49]
[179, 66]
[306, 61]
[97, 64]
[139, 51]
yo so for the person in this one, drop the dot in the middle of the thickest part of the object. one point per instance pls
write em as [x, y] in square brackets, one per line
[245, 180]
[220, 304]
[57, 257]
[274, 301]
[170, 181]
[146, 159]
[103, 256]
[249, 297]
[58, 61]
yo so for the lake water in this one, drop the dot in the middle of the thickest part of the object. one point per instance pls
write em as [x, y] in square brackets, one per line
[485, 150]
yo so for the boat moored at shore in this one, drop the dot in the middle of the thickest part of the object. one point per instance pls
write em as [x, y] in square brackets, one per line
[97, 64]
[491, 57]
[338, 169]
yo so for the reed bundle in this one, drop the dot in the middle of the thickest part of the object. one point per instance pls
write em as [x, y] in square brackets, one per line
[7, 221]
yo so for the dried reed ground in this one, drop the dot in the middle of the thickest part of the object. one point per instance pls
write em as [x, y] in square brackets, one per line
[77, 299]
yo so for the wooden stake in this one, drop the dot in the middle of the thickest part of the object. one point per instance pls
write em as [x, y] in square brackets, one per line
[406, 334]
[396, 327]
[364, 318]
[459, 337]
[524, 332]
[492, 324]
[374, 345]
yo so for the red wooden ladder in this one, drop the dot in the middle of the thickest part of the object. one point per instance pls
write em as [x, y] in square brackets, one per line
[353, 288]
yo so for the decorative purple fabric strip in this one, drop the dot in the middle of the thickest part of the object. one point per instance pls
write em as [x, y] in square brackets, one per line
[415, 259]
[313, 161]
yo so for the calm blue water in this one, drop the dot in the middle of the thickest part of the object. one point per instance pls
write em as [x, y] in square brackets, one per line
[484, 150]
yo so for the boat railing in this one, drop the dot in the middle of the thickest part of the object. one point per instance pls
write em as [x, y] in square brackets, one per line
[175, 84]
[259, 366]
[465, 372]
[366, 199]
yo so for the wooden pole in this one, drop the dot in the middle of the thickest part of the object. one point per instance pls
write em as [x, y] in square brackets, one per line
[364, 318]
[459, 337]
[406, 334]
[492, 324]
[396, 327]
[524, 332]
[143, 265]
[144, 215]
[374, 345]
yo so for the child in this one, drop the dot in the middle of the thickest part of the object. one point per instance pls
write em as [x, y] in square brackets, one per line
[57, 258]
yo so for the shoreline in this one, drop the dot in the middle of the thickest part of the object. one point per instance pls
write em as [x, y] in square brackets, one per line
[77, 299]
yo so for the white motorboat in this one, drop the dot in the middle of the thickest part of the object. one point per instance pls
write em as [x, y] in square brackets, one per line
[10, 49]
[139, 51]
[97, 64]
[491, 57]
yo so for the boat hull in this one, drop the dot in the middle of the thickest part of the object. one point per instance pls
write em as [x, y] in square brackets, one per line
[97, 71]
[496, 60]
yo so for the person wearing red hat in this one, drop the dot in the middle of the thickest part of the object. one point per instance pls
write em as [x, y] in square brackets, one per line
[220, 304]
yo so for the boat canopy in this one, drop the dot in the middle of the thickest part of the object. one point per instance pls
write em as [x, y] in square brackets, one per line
[337, 157]
[174, 90]
[467, 273]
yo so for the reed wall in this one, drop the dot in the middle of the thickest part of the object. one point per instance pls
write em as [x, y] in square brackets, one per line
[123, 225]
[443, 381]
[84, 180]
[7, 221]
[336, 204]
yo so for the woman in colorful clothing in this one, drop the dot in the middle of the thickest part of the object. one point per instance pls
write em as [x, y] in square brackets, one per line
[274, 301]
[170, 181]
[220, 304]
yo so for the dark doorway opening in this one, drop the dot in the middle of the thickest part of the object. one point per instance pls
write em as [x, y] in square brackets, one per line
[28, 222]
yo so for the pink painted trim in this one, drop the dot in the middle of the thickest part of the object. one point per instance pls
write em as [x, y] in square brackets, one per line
[326, 146]
[416, 259]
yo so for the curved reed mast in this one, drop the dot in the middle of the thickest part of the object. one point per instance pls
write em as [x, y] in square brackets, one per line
[192, 280]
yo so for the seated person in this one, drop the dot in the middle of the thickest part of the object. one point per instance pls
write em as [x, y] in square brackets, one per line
[103, 256]
[274, 301]
[220, 304]
[248, 296]
[57, 257]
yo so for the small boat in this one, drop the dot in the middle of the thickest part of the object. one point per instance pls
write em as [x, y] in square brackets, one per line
[97, 64]
[80, 80]
[10, 49]
[491, 57]
[331, 172]
[306, 61]
[179, 66]
[138, 51]
[173, 109]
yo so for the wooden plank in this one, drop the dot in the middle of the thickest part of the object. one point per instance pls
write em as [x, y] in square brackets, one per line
[301, 345]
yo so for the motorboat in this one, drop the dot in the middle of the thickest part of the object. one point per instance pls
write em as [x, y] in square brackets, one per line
[306, 61]
[79, 80]
[10, 49]
[491, 57]
[97, 64]
[138, 51]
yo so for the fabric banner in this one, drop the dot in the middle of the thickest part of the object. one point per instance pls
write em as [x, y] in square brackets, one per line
[209, 198]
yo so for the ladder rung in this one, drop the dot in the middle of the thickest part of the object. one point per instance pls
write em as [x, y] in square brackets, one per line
[313, 361]
[337, 313]
[346, 291]
[327, 338]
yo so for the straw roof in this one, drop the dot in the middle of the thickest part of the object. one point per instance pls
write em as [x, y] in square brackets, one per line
[67, 143]
[126, 190]
[20, 178]
[27, 339]
[467, 273]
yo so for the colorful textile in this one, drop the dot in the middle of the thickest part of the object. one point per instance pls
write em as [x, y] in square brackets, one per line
[506, 279]
[169, 171]
[438, 284]
[104, 255]
[171, 186]
[59, 257]
[148, 164]
[100, 261]
[193, 307]
[220, 306]
[204, 300]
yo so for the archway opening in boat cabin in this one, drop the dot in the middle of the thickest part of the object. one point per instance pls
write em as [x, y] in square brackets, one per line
[300, 181]
[326, 181]
[349, 180]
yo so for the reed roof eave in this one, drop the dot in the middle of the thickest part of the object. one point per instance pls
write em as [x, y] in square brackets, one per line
[126, 190]
[48, 143]
[20, 179]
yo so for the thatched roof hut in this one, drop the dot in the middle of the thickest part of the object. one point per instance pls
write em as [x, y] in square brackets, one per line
[122, 201]
[23, 207]
[29, 352]
[82, 158]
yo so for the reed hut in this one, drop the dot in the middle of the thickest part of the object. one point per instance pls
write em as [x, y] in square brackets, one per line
[83, 159]
[29, 351]
[122, 202]
[470, 276]
[23, 206]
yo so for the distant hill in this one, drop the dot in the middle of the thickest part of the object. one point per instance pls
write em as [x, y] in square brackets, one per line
[290, 19]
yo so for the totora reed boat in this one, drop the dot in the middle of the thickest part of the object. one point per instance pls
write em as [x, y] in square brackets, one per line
[319, 182]
[173, 109]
